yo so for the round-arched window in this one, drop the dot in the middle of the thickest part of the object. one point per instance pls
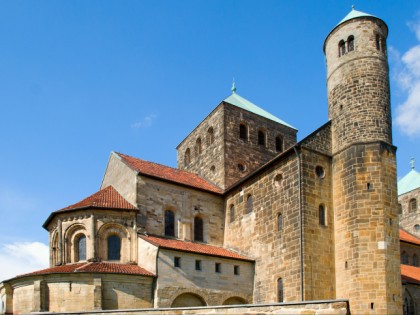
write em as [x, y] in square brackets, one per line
[114, 247]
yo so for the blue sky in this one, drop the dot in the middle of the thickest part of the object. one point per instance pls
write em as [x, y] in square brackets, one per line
[79, 79]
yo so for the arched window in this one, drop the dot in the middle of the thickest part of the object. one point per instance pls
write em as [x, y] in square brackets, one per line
[261, 137]
[378, 42]
[198, 146]
[280, 292]
[341, 48]
[413, 205]
[249, 205]
[321, 211]
[279, 144]
[279, 222]
[350, 43]
[114, 247]
[198, 229]
[81, 248]
[169, 223]
[210, 136]
[232, 213]
[243, 132]
[404, 258]
[187, 157]
[415, 260]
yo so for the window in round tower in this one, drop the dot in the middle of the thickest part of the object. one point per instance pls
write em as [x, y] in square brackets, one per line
[350, 43]
[341, 48]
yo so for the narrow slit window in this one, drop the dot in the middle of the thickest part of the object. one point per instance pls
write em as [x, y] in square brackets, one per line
[279, 144]
[218, 267]
[321, 211]
[232, 213]
[177, 262]
[261, 138]
[169, 223]
[198, 229]
[280, 292]
[198, 265]
[249, 204]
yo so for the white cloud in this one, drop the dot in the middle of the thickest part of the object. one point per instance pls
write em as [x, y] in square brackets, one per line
[407, 75]
[145, 122]
[22, 257]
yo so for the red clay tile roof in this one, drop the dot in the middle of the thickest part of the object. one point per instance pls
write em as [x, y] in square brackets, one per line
[169, 174]
[410, 274]
[105, 198]
[407, 237]
[94, 267]
[193, 247]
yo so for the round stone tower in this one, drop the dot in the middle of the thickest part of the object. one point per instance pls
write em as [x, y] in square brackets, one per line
[357, 80]
[365, 200]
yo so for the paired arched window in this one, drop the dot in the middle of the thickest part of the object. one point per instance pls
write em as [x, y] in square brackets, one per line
[249, 204]
[198, 229]
[232, 213]
[404, 258]
[321, 212]
[81, 248]
[114, 247]
[210, 136]
[415, 260]
[243, 132]
[345, 47]
[279, 222]
[187, 157]
[261, 137]
[169, 223]
[280, 292]
[279, 144]
[198, 146]
[413, 205]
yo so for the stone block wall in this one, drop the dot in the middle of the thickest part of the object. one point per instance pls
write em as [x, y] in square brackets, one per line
[214, 288]
[61, 293]
[258, 234]
[154, 197]
[409, 218]
[318, 225]
[219, 161]
[366, 228]
[208, 161]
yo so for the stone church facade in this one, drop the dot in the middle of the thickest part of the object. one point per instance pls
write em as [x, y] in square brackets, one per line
[250, 215]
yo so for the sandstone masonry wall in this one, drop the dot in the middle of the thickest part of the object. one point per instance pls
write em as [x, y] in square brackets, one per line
[409, 219]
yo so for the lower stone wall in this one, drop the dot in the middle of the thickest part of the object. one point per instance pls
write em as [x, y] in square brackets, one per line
[330, 307]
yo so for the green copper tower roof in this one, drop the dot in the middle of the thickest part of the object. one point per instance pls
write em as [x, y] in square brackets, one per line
[238, 101]
[354, 14]
[410, 181]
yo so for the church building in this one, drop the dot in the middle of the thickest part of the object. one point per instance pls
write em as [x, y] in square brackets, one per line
[250, 215]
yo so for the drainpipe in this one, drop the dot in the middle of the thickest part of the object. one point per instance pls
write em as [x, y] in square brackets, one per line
[300, 225]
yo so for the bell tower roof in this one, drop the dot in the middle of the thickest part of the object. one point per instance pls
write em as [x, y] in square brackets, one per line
[410, 181]
[353, 14]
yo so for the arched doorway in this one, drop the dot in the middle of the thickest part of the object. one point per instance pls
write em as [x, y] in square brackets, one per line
[187, 300]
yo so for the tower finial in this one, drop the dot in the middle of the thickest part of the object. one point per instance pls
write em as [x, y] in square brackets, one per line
[412, 161]
[352, 7]
[233, 86]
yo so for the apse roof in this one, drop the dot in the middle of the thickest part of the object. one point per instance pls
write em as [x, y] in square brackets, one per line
[410, 274]
[408, 238]
[92, 267]
[107, 198]
[409, 182]
[198, 248]
[168, 173]
[238, 101]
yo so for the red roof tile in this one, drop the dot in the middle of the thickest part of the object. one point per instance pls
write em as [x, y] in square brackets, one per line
[407, 237]
[94, 267]
[193, 247]
[169, 174]
[105, 198]
[410, 274]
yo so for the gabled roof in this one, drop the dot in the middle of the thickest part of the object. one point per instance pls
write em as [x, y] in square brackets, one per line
[408, 238]
[192, 247]
[169, 174]
[238, 101]
[410, 274]
[409, 182]
[107, 198]
[92, 267]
